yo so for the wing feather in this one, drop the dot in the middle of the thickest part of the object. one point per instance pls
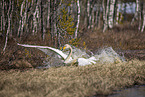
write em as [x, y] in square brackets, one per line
[64, 56]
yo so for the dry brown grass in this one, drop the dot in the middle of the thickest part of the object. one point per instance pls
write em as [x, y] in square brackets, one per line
[122, 37]
[72, 81]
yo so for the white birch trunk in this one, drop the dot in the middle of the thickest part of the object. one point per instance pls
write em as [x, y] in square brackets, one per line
[105, 14]
[78, 20]
[92, 16]
[24, 18]
[88, 14]
[21, 20]
[143, 19]
[136, 15]
[117, 12]
[35, 19]
[9, 24]
[48, 15]
[11, 19]
[3, 16]
[140, 17]
[111, 14]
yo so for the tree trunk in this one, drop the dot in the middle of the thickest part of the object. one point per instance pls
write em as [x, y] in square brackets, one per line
[105, 6]
[111, 14]
[92, 15]
[78, 20]
[136, 15]
[97, 18]
[3, 17]
[48, 15]
[117, 12]
[11, 34]
[9, 14]
[140, 16]
[35, 18]
[20, 29]
[143, 17]
[41, 20]
[88, 14]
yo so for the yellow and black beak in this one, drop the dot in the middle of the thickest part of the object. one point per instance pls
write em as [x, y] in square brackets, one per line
[62, 48]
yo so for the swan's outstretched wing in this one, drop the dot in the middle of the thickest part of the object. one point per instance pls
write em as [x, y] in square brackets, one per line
[45, 48]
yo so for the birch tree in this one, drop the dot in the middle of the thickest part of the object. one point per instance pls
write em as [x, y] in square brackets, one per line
[35, 18]
[136, 15]
[89, 6]
[143, 17]
[105, 6]
[78, 19]
[9, 14]
[108, 13]
[92, 14]
[3, 17]
[97, 17]
[117, 12]
[48, 15]
[23, 20]
[111, 14]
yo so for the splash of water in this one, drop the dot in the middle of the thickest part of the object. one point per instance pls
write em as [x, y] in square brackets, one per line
[103, 56]
[108, 55]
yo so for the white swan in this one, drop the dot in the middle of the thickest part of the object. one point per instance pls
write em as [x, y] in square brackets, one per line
[67, 58]
[81, 61]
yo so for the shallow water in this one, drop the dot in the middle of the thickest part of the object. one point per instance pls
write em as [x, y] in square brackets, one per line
[137, 91]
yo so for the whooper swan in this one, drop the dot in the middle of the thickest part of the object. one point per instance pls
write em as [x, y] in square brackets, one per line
[67, 58]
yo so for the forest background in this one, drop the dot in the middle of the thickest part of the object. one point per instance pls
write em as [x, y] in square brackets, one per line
[90, 24]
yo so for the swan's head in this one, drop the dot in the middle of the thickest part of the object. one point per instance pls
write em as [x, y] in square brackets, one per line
[66, 46]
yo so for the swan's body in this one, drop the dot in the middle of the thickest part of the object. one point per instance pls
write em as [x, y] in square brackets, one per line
[67, 58]
[81, 61]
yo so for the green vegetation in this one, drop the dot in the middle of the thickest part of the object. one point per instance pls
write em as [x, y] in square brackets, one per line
[66, 22]
[66, 25]
[71, 81]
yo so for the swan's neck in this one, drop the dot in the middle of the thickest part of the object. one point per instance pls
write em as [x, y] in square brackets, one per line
[69, 55]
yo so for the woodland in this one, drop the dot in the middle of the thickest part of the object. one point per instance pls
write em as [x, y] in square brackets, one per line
[91, 25]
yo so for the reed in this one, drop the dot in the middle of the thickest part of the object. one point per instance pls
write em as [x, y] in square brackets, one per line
[71, 81]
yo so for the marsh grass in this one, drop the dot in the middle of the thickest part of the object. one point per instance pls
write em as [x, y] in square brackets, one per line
[71, 81]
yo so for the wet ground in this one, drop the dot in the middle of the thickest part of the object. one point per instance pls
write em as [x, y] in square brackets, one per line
[136, 91]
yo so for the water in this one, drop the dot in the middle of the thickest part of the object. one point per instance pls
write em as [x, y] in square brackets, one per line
[136, 91]
[103, 56]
